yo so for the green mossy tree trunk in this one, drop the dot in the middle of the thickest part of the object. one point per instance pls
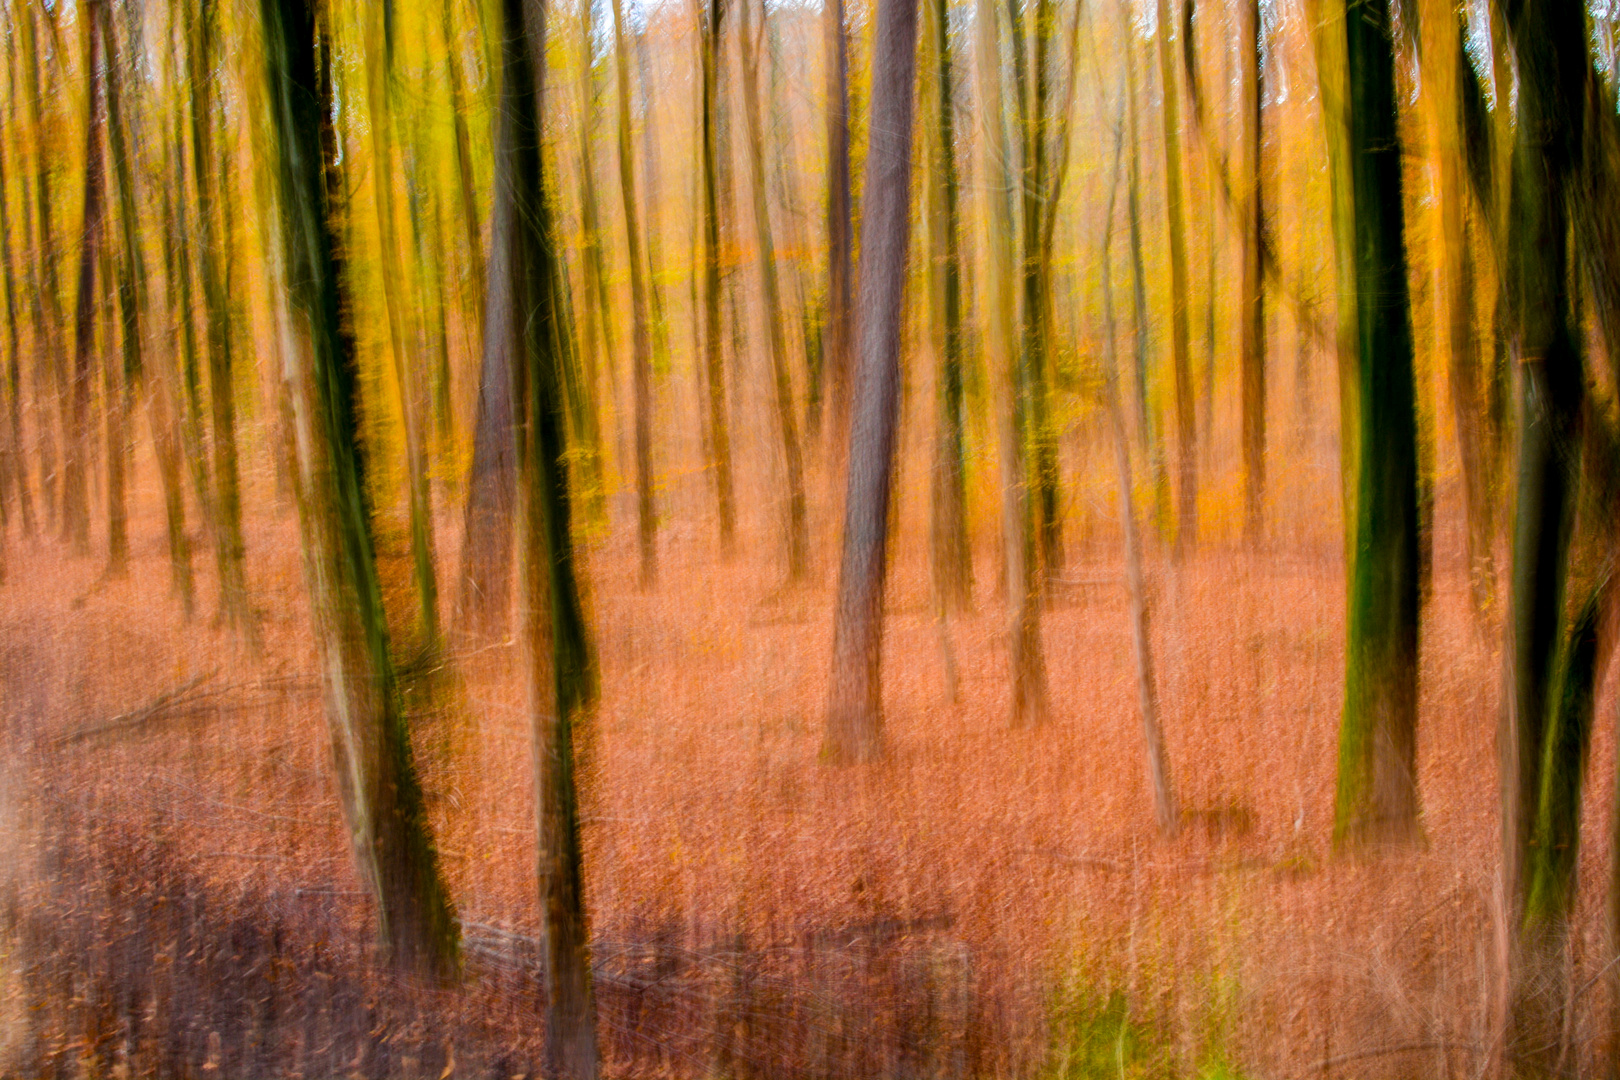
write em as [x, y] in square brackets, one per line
[1377, 797]
[371, 748]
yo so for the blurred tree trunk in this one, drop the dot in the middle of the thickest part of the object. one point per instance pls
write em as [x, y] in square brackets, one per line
[650, 198]
[1445, 76]
[1027, 663]
[840, 329]
[1377, 798]
[711, 15]
[1254, 284]
[466, 189]
[641, 328]
[1034, 343]
[49, 397]
[1186, 418]
[1148, 425]
[1549, 44]
[379, 93]
[952, 554]
[371, 747]
[557, 660]
[76, 492]
[17, 465]
[598, 310]
[798, 534]
[855, 708]
[212, 259]
[1147, 692]
[177, 270]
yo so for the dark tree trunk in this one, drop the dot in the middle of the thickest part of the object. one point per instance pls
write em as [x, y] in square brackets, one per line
[556, 659]
[371, 747]
[16, 467]
[854, 713]
[1377, 799]
[1254, 285]
[712, 13]
[212, 260]
[641, 328]
[840, 327]
[76, 492]
[49, 397]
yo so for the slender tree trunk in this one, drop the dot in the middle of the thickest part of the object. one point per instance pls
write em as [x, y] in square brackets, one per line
[1377, 799]
[855, 708]
[212, 257]
[1148, 426]
[951, 551]
[798, 532]
[840, 330]
[641, 328]
[47, 303]
[1027, 663]
[76, 494]
[1186, 418]
[598, 311]
[1254, 284]
[371, 748]
[467, 191]
[712, 13]
[1158, 759]
[17, 470]
[1549, 43]
[557, 661]
[379, 92]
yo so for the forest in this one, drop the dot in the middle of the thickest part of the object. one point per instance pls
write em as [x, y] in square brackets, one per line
[728, 539]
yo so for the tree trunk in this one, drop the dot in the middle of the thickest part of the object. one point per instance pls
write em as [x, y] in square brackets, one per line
[17, 469]
[47, 297]
[1549, 43]
[1254, 285]
[467, 191]
[556, 660]
[798, 533]
[952, 555]
[1186, 418]
[855, 708]
[710, 21]
[1377, 798]
[840, 329]
[1026, 661]
[212, 257]
[598, 312]
[76, 493]
[1148, 425]
[641, 328]
[379, 93]
[1158, 759]
[371, 748]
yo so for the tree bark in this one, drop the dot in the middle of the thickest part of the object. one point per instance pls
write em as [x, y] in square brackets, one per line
[855, 708]
[557, 662]
[211, 265]
[641, 327]
[711, 14]
[75, 493]
[1377, 797]
[798, 531]
[371, 748]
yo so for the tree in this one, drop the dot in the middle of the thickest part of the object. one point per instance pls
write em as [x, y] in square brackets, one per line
[1186, 418]
[1253, 311]
[1026, 661]
[855, 706]
[47, 303]
[641, 328]
[371, 748]
[1377, 797]
[838, 338]
[16, 468]
[952, 557]
[710, 18]
[75, 487]
[557, 660]
[798, 530]
[212, 260]
[412, 403]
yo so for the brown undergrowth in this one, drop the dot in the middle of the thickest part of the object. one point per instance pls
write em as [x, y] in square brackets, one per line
[983, 902]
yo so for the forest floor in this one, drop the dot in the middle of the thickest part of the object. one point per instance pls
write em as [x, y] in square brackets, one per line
[983, 902]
